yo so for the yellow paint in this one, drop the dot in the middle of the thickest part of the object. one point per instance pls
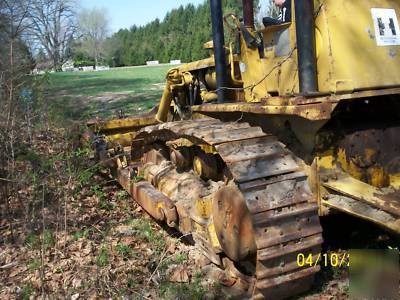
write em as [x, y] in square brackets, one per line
[213, 236]
[346, 62]
[196, 65]
[354, 170]
[123, 139]
[208, 96]
[182, 142]
[361, 191]
[378, 177]
[197, 166]
[121, 124]
[311, 112]
[394, 226]
[326, 161]
[204, 207]
[208, 148]
[160, 205]
[395, 181]
[348, 166]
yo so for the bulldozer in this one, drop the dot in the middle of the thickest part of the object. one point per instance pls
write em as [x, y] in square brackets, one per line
[249, 148]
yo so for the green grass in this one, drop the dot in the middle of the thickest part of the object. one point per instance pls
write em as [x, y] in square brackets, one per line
[124, 250]
[34, 265]
[84, 95]
[102, 259]
[193, 290]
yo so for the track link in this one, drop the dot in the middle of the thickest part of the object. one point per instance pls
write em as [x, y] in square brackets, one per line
[283, 214]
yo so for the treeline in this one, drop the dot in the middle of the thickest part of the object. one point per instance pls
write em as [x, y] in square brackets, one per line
[180, 35]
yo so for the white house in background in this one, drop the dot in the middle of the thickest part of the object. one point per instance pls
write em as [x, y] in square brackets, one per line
[102, 68]
[86, 68]
[152, 62]
[175, 62]
[68, 66]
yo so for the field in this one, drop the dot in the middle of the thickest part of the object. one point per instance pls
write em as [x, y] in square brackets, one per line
[84, 95]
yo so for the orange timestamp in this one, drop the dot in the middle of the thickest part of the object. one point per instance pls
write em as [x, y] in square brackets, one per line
[332, 259]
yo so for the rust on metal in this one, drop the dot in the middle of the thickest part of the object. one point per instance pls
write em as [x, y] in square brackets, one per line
[313, 111]
[364, 211]
[310, 108]
[351, 187]
[271, 210]
[234, 225]
[372, 154]
[261, 216]
[118, 125]
[153, 201]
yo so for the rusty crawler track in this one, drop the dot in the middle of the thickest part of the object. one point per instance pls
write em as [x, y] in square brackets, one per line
[284, 218]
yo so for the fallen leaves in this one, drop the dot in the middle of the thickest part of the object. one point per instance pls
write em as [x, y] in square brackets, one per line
[75, 296]
[179, 274]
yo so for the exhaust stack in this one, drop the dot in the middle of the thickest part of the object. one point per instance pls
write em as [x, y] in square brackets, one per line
[219, 50]
[248, 13]
[305, 36]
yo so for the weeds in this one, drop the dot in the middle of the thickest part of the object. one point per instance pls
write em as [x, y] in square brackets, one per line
[180, 258]
[103, 258]
[27, 291]
[193, 290]
[132, 283]
[48, 239]
[124, 250]
[144, 230]
[83, 176]
[34, 265]
[122, 195]
[81, 234]
[32, 241]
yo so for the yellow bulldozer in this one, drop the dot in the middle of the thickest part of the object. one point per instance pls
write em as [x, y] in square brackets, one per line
[250, 147]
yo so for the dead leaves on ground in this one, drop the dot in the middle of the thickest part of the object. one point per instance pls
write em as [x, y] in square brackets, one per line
[100, 245]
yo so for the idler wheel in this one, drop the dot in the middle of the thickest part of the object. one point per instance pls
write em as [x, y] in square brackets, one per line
[233, 224]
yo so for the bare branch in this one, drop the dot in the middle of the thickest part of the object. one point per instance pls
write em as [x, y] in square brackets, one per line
[53, 27]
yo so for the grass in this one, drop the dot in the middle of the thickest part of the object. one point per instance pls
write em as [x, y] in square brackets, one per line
[81, 234]
[145, 231]
[84, 95]
[103, 258]
[27, 291]
[34, 265]
[193, 290]
[124, 250]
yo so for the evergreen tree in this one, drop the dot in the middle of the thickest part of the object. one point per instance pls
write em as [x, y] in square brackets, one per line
[180, 35]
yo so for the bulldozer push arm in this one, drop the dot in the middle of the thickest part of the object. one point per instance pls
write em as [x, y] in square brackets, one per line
[249, 147]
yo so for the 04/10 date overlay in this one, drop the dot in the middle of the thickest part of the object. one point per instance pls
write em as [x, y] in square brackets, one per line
[335, 260]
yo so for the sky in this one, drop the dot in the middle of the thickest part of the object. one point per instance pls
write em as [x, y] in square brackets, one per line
[125, 13]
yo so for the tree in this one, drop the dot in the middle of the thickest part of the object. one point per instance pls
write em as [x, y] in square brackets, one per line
[53, 26]
[93, 27]
[180, 35]
[15, 65]
[15, 58]
[113, 47]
